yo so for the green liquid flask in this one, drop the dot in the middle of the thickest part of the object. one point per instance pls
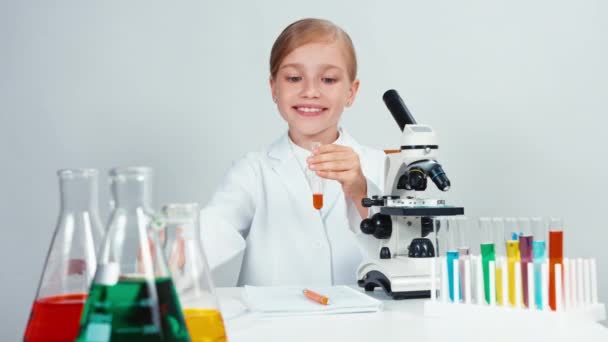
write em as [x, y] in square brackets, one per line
[132, 297]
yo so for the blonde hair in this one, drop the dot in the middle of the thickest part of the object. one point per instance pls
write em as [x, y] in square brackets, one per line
[311, 30]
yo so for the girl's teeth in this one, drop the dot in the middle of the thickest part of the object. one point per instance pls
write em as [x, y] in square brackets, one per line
[309, 110]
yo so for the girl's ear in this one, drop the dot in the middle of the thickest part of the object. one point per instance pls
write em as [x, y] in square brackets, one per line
[354, 88]
[272, 90]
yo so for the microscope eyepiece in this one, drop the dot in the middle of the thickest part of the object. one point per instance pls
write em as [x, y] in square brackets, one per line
[397, 107]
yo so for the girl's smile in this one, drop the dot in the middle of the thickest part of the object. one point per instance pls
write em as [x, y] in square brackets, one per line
[309, 110]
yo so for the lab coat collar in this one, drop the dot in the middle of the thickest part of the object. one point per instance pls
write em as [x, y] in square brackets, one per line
[287, 166]
[280, 149]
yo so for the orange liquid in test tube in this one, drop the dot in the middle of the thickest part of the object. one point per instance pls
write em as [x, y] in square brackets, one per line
[316, 182]
[317, 201]
[556, 256]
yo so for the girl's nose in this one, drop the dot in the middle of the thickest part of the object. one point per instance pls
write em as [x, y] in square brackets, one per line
[311, 90]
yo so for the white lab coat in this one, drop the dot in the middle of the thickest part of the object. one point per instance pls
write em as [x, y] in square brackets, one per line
[262, 212]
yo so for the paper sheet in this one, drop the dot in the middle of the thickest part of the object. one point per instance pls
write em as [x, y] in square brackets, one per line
[290, 300]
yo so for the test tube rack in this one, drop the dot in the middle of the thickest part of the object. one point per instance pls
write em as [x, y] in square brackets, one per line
[576, 295]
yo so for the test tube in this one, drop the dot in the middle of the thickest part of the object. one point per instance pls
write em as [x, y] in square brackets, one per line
[513, 256]
[539, 251]
[556, 255]
[440, 225]
[451, 234]
[487, 252]
[525, 253]
[316, 183]
[463, 237]
[498, 238]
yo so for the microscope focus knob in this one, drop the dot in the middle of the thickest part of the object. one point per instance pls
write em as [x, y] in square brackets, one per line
[379, 225]
[367, 227]
[370, 202]
[383, 226]
[421, 248]
[385, 253]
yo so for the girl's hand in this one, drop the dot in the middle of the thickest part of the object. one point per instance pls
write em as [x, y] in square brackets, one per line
[341, 163]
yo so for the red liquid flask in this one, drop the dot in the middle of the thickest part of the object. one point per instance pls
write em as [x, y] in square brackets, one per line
[71, 261]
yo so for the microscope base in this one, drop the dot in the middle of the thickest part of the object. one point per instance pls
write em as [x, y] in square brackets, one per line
[401, 277]
[375, 279]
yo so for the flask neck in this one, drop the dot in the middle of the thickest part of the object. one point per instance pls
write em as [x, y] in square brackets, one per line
[131, 191]
[182, 219]
[78, 190]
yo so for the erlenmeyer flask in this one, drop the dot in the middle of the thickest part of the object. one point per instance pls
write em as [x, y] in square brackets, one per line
[70, 262]
[132, 297]
[190, 272]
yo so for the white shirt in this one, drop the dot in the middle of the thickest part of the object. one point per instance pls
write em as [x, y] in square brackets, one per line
[264, 206]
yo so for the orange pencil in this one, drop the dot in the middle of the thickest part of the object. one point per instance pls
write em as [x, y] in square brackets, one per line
[317, 297]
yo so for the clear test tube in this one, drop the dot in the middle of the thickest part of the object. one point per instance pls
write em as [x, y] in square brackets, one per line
[556, 255]
[440, 229]
[488, 253]
[525, 253]
[437, 274]
[463, 243]
[316, 182]
[539, 256]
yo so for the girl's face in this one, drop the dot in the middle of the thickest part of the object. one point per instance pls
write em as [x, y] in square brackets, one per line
[311, 89]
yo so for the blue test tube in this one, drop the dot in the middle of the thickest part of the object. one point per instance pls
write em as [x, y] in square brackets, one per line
[539, 256]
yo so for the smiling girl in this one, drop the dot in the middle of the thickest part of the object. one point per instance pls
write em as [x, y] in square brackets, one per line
[265, 196]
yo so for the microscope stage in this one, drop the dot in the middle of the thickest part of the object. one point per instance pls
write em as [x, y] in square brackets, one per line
[422, 211]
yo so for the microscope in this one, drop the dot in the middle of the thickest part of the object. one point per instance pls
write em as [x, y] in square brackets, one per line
[404, 221]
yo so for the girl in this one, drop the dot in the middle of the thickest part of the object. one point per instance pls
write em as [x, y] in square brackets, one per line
[264, 204]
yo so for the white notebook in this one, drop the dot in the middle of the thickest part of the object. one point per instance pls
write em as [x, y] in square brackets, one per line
[281, 300]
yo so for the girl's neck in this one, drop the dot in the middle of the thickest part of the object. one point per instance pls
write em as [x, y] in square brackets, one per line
[305, 141]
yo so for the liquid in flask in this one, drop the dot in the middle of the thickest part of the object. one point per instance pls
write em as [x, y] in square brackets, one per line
[190, 271]
[71, 260]
[132, 297]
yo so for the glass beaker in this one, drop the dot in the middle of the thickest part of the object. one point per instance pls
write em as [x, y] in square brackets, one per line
[132, 297]
[70, 262]
[190, 271]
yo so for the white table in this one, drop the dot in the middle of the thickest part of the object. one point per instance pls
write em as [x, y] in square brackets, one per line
[401, 320]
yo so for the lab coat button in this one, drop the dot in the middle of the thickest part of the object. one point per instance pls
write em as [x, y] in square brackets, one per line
[317, 244]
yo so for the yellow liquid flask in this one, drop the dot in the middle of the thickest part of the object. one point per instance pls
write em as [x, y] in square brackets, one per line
[132, 297]
[70, 263]
[184, 252]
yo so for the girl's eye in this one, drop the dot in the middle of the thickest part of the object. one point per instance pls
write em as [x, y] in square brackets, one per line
[329, 80]
[294, 78]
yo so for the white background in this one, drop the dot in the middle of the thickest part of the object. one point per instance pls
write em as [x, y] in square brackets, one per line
[517, 91]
